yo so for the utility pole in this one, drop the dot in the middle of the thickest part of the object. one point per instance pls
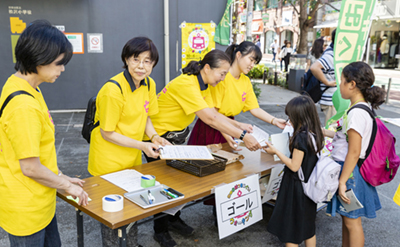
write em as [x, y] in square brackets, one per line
[249, 19]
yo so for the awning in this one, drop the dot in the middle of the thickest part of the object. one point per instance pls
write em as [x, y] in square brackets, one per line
[327, 24]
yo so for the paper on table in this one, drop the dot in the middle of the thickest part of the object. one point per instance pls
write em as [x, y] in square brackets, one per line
[260, 135]
[281, 142]
[354, 202]
[128, 180]
[77, 199]
[183, 152]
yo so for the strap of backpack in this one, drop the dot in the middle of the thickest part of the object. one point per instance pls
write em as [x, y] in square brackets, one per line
[148, 83]
[12, 95]
[116, 83]
[373, 133]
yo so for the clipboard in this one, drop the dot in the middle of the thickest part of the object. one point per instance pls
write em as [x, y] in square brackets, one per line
[185, 152]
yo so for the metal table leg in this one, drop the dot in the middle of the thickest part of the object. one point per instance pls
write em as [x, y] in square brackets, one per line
[122, 236]
[79, 226]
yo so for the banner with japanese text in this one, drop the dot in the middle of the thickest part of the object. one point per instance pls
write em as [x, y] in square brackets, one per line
[351, 36]
[197, 41]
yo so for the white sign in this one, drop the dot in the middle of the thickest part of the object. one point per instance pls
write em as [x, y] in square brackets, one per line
[60, 27]
[287, 17]
[76, 40]
[238, 205]
[95, 42]
[272, 183]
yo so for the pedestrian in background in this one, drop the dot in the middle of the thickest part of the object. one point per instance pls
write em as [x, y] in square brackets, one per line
[315, 52]
[293, 218]
[350, 144]
[274, 49]
[285, 55]
[279, 56]
[323, 69]
[29, 173]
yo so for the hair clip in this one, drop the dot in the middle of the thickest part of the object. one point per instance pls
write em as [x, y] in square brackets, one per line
[372, 86]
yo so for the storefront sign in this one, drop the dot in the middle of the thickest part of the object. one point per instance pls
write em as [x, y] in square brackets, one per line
[351, 35]
[197, 40]
[238, 205]
[265, 17]
[287, 17]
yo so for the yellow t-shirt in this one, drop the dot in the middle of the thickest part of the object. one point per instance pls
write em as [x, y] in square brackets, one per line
[178, 102]
[396, 197]
[26, 131]
[231, 96]
[126, 114]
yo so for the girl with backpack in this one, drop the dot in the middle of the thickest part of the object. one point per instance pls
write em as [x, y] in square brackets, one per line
[350, 144]
[293, 218]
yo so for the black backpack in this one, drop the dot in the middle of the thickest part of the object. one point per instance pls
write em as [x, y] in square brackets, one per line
[88, 122]
[12, 95]
[312, 87]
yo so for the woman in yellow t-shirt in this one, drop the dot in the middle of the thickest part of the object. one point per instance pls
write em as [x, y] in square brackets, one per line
[179, 102]
[29, 173]
[123, 111]
[233, 95]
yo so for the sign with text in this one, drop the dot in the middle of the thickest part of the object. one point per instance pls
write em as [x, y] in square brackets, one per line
[351, 35]
[273, 183]
[238, 205]
[197, 41]
[76, 40]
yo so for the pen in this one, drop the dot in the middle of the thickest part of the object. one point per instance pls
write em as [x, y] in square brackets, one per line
[151, 197]
[170, 194]
[165, 194]
[144, 199]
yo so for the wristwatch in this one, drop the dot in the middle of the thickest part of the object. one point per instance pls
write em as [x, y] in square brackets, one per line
[242, 135]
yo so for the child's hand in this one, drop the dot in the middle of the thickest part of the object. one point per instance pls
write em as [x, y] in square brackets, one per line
[269, 148]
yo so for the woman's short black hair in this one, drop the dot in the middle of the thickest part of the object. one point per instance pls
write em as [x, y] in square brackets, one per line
[136, 46]
[40, 44]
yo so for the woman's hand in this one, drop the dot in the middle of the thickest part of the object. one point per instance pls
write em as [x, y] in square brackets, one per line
[232, 143]
[150, 149]
[251, 143]
[160, 141]
[342, 193]
[269, 148]
[247, 127]
[77, 181]
[77, 191]
[280, 123]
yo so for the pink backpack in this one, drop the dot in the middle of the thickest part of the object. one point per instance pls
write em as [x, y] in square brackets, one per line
[381, 162]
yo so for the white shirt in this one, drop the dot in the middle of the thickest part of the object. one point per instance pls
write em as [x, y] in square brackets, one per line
[358, 120]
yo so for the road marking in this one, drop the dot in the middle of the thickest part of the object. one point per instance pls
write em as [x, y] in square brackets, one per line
[70, 120]
[59, 147]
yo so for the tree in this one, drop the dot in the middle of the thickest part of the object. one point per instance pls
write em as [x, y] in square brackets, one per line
[307, 13]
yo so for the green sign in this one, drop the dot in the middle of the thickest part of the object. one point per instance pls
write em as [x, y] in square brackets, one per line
[265, 17]
[222, 32]
[351, 34]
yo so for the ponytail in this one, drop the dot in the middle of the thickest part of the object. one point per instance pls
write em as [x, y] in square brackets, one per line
[193, 68]
[362, 74]
[245, 48]
[214, 59]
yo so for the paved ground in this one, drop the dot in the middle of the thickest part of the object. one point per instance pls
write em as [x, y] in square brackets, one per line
[72, 153]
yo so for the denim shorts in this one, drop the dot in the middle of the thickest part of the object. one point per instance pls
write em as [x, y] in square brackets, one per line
[365, 193]
[47, 237]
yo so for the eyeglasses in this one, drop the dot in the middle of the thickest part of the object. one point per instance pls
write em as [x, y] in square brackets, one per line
[146, 63]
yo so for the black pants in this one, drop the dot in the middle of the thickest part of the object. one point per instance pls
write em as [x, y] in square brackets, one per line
[287, 61]
[161, 224]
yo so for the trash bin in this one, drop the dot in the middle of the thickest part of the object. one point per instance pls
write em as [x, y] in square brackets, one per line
[296, 72]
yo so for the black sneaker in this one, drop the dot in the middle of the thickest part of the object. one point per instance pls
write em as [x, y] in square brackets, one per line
[181, 227]
[164, 239]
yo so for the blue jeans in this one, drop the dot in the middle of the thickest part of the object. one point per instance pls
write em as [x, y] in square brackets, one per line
[47, 237]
